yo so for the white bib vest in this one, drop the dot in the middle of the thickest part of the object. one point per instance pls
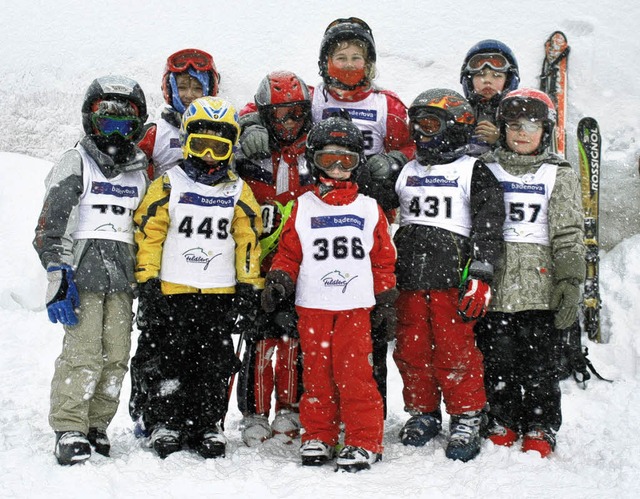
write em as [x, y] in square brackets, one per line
[199, 250]
[369, 115]
[167, 151]
[107, 205]
[335, 273]
[526, 201]
[437, 195]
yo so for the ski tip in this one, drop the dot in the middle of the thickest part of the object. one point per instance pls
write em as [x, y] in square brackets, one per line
[559, 36]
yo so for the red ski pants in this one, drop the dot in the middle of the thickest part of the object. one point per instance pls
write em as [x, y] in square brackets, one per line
[436, 353]
[338, 378]
[284, 377]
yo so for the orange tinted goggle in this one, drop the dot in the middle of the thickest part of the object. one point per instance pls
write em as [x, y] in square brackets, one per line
[428, 125]
[182, 60]
[344, 160]
[497, 62]
[199, 144]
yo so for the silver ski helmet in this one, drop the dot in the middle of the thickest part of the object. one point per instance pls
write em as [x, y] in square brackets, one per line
[114, 88]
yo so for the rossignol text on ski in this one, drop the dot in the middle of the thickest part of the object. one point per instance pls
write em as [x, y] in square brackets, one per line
[589, 148]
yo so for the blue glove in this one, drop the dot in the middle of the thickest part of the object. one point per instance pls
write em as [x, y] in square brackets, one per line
[62, 295]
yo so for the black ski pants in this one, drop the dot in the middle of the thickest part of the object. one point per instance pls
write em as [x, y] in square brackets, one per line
[521, 352]
[185, 364]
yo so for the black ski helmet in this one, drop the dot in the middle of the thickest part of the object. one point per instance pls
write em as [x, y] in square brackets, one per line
[339, 130]
[487, 47]
[458, 123]
[114, 87]
[342, 30]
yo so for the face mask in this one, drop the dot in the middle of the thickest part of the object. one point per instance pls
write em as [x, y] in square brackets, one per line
[350, 77]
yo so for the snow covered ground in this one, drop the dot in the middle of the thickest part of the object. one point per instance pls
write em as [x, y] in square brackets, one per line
[52, 51]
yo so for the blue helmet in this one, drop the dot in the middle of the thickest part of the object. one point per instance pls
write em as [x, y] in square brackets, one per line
[490, 47]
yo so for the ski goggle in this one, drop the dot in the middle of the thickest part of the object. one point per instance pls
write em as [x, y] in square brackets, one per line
[182, 60]
[428, 125]
[514, 108]
[328, 159]
[497, 62]
[353, 20]
[524, 124]
[199, 144]
[107, 125]
[285, 112]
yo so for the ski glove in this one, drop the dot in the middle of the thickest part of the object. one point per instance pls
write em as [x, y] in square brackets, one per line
[569, 271]
[474, 300]
[278, 285]
[565, 300]
[62, 295]
[152, 304]
[382, 166]
[384, 313]
[244, 310]
[255, 142]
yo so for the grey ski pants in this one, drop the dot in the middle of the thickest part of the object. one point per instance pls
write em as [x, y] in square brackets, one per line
[85, 390]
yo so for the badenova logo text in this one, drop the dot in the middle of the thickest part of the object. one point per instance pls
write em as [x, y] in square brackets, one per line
[120, 191]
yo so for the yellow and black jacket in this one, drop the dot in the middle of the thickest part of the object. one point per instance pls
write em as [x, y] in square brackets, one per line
[153, 226]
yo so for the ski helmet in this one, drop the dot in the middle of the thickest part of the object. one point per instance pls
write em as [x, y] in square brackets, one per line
[508, 65]
[448, 119]
[118, 89]
[282, 95]
[531, 104]
[210, 114]
[342, 30]
[196, 63]
[338, 130]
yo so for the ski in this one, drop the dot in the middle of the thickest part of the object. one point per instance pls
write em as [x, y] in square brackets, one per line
[589, 142]
[553, 81]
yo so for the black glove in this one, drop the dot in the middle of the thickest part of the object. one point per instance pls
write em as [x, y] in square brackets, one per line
[384, 313]
[278, 286]
[244, 309]
[152, 304]
[286, 319]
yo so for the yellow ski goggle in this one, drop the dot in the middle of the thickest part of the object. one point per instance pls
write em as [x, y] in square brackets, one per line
[199, 144]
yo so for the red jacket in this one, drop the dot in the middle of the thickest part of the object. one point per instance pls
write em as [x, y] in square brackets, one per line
[383, 254]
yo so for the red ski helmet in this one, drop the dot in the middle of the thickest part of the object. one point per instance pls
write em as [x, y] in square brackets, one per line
[531, 104]
[282, 95]
[184, 60]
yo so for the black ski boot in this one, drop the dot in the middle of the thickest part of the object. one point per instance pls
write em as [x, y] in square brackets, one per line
[99, 440]
[464, 436]
[72, 447]
[165, 441]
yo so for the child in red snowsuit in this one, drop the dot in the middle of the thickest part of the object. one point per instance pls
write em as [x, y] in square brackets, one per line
[284, 110]
[337, 254]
